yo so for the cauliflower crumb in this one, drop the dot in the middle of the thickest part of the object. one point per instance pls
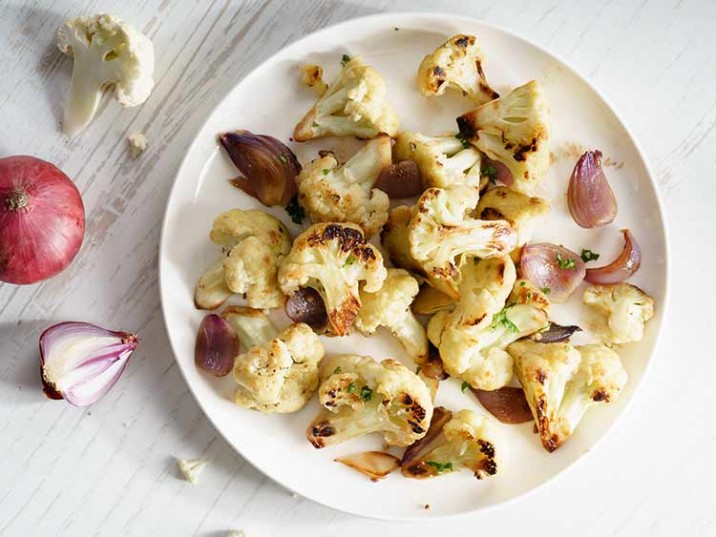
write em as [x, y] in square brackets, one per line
[137, 144]
[191, 468]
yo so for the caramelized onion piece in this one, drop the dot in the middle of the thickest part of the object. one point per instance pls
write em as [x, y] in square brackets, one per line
[216, 346]
[589, 196]
[306, 306]
[433, 368]
[507, 404]
[622, 267]
[440, 417]
[268, 167]
[555, 333]
[554, 269]
[401, 180]
[374, 464]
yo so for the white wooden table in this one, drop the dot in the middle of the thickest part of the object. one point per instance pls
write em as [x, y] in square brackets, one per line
[110, 470]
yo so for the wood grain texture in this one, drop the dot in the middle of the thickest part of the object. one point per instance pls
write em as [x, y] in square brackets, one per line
[110, 470]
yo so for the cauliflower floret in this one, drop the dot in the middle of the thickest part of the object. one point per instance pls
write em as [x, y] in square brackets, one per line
[394, 239]
[624, 310]
[390, 307]
[333, 259]
[332, 193]
[361, 396]
[466, 441]
[443, 161]
[473, 337]
[107, 52]
[253, 243]
[354, 105]
[279, 372]
[518, 209]
[312, 77]
[456, 63]
[430, 301]
[513, 130]
[191, 468]
[440, 231]
[137, 144]
[561, 382]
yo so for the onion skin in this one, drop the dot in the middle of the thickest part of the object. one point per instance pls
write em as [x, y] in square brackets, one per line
[555, 333]
[216, 346]
[507, 404]
[590, 198]
[401, 180]
[622, 267]
[440, 417]
[539, 263]
[269, 168]
[306, 306]
[42, 220]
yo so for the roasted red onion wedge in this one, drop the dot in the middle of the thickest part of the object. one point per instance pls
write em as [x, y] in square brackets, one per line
[401, 180]
[622, 267]
[268, 167]
[433, 367]
[554, 269]
[507, 404]
[216, 346]
[440, 417]
[306, 306]
[555, 333]
[589, 196]
[374, 464]
[501, 172]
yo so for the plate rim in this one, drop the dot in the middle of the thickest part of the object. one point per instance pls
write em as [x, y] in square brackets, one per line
[377, 18]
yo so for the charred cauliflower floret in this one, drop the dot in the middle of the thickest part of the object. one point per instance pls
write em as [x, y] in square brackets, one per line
[253, 243]
[333, 193]
[353, 105]
[333, 259]
[562, 382]
[312, 77]
[443, 161]
[520, 210]
[394, 239]
[513, 130]
[467, 441]
[624, 309]
[360, 396]
[472, 338]
[278, 373]
[441, 231]
[457, 63]
[390, 307]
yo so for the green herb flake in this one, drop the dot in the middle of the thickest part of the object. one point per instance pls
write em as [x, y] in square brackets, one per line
[546, 290]
[464, 386]
[326, 171]
[490, 171]
[396, 28]
[523, 283]
[337, 370]
[588, 255]
[501, 319]
[567, 263]
[463, 141]
[283, 158]
[349, 260]
[417, 370]
[366, 393]
[314, 125]
[345, 59]
[440, 466]
[351, 387]
[295, 211]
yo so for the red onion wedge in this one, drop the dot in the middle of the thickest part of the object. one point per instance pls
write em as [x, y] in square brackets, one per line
[401, 180]
[507, 404]
[554, 269]
[80, 362]
[589, 196]
[622, 267]
[306, 306]
[216, 346]
[555, 333]
[440, 417]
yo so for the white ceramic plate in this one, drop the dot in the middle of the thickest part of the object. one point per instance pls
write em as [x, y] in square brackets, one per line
[270, 101]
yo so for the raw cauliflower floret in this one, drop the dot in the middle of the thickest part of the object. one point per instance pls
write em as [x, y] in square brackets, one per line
[390, 307]
[441, 234]
[192, 468]
[360, 395]
[457, 63]
[473, 337]
[333, 259]
[520, 210]
[354, 104]
[333, 193]
[624, 311]
[443, 161]
[562, 382]
[253, 243]
[513, 130]
[107, 52]
[467, 442]
[278, 373]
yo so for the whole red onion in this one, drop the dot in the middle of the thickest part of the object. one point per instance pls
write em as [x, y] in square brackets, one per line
[42, 220]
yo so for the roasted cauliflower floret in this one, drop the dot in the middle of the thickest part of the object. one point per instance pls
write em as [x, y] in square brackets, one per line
[394, 239]
[253, 243]
[312, 77]
[440, 231]
[472, 339]
[278, 373]
[467, 441]
[333, 259]
[457, 63]
[624, 309]
[333, 193]
[561, 382]
[390, 307]
[520, 210]
[513, 130]
[353, 105]
[361, 396]
[443, 161]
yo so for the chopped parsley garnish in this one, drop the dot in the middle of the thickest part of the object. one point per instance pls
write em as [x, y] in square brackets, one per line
[490, 171]
[546, 290]
[588, 255]
[295, 211]
[345, 59]
[314, 124]
[464, 386]
[326, 171]
[440, 466]
[502, 319]
[337, 370]
[366, 393]
[351, 387]
[463, 141]
[283, 158]
[417, 370]
[523, 283]
[567, 263]
[349, 260]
